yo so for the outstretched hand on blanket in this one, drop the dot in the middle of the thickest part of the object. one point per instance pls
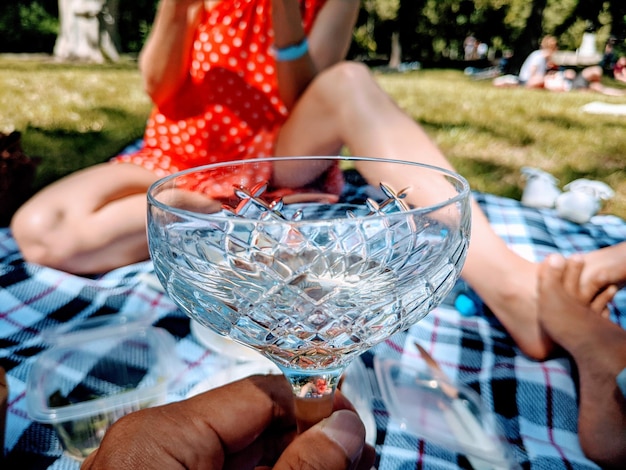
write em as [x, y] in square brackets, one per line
[598, 347]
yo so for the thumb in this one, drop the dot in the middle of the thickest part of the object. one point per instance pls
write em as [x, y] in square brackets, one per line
[335, 443]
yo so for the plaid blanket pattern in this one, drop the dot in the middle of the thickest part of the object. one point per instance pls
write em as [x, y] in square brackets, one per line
[535, 402]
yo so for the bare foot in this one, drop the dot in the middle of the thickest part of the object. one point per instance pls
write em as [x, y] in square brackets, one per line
[563, 311]
[515, 302]
[598, 347]
[603, 267]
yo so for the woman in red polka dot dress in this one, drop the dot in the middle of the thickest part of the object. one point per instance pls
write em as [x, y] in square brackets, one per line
[228, 105]
[223, 90]
[237, 79]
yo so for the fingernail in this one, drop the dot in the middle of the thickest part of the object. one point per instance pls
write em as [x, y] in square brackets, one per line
[556, 261]
[346, 429]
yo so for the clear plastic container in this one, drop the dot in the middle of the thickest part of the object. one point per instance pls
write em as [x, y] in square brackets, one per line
[443, 413]
[357, 387]
[93, 375]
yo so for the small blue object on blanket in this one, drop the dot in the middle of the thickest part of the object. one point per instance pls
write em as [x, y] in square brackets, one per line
[621, 382]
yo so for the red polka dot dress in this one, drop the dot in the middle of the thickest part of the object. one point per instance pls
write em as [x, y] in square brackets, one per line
[231, 109]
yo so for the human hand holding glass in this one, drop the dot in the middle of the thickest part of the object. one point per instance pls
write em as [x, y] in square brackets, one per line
[308, 285]
[244, 424]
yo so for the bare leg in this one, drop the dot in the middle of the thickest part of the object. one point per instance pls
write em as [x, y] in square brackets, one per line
[92, 221]
[535, 82]
[593, 75]
[606, 90]
[598, 347]
[344, 105]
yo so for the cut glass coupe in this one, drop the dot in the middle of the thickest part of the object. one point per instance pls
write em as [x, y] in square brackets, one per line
[307, 281]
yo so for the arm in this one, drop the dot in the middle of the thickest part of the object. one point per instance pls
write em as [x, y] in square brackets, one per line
[329, 41]
[171, 36]
[537, 71]
[597, 345]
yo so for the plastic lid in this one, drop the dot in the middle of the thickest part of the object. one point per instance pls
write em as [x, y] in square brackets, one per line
[427, 407]
[105, 365]
[96, 327]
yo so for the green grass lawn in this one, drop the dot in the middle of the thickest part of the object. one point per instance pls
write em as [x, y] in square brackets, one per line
[76, 115]
[71, 116]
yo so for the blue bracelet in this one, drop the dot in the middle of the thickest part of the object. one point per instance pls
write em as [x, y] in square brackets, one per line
[290, 53]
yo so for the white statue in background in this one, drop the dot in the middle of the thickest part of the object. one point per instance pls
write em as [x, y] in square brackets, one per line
[588, 45]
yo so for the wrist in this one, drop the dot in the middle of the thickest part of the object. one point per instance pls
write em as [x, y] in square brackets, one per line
[287, 23]
[292, 52]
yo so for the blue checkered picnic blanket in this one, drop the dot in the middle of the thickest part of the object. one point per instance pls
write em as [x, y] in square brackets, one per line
[535, 403]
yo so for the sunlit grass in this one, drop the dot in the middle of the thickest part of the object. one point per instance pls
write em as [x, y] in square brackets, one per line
[71, 116]
[490, 133]
[74, 116]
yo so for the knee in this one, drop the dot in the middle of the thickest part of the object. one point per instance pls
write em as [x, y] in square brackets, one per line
[345, 85]
[33, 231]
[593, 73]
[348, 72]
[344, 79]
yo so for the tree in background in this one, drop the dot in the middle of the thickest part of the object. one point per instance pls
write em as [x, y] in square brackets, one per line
[375, 28]
[28, 26]
[429, 31]
[88, 31]
[617, 12]
[134, 22]
[530, 36]
[433, 31]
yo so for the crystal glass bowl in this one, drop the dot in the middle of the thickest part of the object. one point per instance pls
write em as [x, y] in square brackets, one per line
[308, 283]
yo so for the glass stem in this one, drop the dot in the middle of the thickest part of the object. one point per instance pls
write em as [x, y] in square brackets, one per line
[310, 411]
[313, 395]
